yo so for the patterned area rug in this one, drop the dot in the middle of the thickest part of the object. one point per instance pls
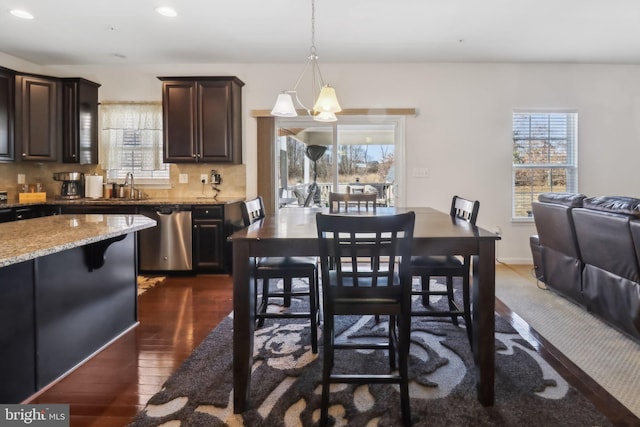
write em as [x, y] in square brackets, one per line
[285, 388]
[147, 282]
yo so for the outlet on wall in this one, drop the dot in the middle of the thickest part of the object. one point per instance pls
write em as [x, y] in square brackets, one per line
[21, 178]
[204, 178]
[183, 178]
[420, 173]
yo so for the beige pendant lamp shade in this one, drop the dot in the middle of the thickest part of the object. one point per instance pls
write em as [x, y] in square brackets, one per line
[326, 103]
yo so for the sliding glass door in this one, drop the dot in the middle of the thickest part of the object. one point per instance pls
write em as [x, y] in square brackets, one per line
[354, 154]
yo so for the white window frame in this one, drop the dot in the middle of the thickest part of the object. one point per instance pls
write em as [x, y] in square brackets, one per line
[570, 166]
[398, 122]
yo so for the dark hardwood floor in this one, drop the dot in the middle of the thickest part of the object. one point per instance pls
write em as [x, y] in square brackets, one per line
[110, 388]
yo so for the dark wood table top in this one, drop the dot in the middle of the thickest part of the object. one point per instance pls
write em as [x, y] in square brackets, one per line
[299, 223]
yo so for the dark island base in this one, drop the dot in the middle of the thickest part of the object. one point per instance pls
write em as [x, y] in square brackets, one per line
[59, 309]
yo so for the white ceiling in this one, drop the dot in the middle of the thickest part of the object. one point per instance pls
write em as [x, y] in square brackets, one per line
[66, 32]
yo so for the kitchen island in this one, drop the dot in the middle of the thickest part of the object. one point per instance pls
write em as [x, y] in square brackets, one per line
[67, 289]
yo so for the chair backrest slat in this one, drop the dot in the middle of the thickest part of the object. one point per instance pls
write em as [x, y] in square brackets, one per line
[383, 241]
[340, 202]
[465, 209]
[252, 210]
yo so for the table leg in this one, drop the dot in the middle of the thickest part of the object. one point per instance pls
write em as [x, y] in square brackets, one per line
[243, 325]
[484, 295]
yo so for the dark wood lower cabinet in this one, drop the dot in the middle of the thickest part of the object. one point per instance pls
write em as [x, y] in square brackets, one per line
[212, 225]
[208, 238]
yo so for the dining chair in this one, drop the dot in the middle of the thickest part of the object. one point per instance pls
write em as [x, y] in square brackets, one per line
[447, 266]
[341, 202]
[382, 287]
[287, 269]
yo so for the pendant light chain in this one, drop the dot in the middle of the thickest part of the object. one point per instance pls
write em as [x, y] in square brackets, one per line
[326, 104]
[313, 28]
[318, 81]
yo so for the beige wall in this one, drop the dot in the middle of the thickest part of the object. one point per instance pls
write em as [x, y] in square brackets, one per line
[462, 133]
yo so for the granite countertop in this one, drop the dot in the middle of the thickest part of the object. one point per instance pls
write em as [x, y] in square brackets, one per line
[37, 237]
[121, 201]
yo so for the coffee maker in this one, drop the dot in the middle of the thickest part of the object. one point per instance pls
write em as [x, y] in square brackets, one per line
[72, 185]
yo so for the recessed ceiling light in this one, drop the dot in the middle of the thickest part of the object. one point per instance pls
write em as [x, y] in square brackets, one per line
[167, 11]
[19, 13]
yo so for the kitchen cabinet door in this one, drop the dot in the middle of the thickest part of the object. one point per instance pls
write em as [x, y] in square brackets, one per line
[202, 118]
[179, 121]
[208, 248]
[7, 91]
[219, 121]
[38, 132]
[79, 121]
[208, 238]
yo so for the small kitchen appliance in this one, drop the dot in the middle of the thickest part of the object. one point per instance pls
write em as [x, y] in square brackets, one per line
[72, 185]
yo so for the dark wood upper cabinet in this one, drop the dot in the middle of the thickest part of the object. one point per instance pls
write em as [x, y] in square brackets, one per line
[202, 119]
[37, 132]
[79, 121]
[7, 93]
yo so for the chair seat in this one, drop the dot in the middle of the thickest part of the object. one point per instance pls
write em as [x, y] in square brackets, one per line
[365, 271]
[286, 269]
[437, 261]
[286, 262]
[428, 266]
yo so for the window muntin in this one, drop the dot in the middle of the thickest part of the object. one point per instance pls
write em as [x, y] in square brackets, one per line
[544, 157]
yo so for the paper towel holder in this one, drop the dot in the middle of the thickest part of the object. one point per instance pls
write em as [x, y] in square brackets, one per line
[93, 186]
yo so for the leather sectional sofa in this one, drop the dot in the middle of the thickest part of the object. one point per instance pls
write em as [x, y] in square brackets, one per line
[588, 250]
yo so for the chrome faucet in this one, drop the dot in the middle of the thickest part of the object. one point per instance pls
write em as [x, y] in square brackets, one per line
[126, 180]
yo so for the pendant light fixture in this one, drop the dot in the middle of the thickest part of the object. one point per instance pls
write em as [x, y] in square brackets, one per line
[326, 103]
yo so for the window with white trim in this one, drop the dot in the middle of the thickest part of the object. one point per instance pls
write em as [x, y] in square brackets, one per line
[131, 141]
[545, 157]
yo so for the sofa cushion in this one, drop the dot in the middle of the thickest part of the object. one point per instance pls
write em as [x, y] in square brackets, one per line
[573, 200]
[614, 204]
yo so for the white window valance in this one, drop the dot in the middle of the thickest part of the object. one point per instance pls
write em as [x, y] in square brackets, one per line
[131, 140]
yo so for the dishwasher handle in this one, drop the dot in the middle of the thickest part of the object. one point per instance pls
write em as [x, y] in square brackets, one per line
[168, 210]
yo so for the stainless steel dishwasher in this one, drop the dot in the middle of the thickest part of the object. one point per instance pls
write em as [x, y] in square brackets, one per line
[168, 246]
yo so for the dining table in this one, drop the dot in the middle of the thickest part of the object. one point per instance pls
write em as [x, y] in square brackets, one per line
[292, 232]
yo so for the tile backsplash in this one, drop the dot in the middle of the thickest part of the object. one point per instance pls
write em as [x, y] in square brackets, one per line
[233, 179]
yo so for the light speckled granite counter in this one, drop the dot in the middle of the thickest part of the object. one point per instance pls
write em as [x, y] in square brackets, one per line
[32, 238]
